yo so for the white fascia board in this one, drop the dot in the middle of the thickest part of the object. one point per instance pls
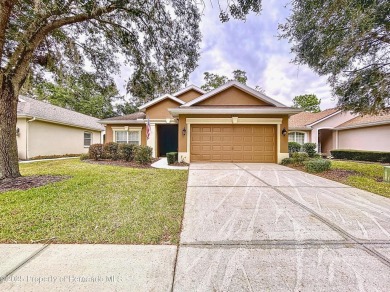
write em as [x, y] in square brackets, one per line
[161, 98]
[236, 84]
[268, 110]
[324, 118]
[372, 124]
[188, 88]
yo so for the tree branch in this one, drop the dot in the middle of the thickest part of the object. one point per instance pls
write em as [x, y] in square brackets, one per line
[25, 57]
[5, 12]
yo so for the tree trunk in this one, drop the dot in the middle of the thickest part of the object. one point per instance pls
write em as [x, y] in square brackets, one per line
[9, 161]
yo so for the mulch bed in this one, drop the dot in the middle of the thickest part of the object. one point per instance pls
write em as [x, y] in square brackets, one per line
[122, 163]
[180, 164]
[338, 175]
[28, 182]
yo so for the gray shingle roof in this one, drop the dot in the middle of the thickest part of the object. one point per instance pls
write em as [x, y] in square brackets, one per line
[130, 117]
[42, 110]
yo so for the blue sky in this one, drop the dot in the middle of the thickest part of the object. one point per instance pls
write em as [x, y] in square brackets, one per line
[253, 46]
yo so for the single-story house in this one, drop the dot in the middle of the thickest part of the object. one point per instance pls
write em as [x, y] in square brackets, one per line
[44, 130]
[232, 123]
[333, 129]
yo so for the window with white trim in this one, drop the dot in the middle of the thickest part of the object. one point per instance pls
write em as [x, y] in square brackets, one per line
[128, 137]
[296, 137]
[87, 139]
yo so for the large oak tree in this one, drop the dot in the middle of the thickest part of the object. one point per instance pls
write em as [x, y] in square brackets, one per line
[54, 37]
[348, 41]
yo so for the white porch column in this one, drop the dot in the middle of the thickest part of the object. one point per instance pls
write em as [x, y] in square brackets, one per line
[152, 141]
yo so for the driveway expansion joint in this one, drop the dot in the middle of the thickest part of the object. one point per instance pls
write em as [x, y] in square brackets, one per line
[336, 228]
[21, 264]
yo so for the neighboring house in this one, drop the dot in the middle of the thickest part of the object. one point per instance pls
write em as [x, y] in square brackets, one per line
[232, 123]
[364, 133]
[44, 129]
[333, 129]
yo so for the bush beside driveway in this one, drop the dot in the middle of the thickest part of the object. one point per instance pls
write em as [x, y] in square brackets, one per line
[97, 204]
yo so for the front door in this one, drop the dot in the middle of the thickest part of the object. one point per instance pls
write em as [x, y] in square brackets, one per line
[167, 139]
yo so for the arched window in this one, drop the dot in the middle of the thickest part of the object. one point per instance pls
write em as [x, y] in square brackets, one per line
[296, 137]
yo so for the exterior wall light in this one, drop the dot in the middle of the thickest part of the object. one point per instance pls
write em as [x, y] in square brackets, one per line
[17, 132]
[284, 132]
[184, 131]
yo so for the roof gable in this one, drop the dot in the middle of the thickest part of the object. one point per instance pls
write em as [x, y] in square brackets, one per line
[189, 95]
[159, 99]
[250, 94]
[188, 88]
[306, 119]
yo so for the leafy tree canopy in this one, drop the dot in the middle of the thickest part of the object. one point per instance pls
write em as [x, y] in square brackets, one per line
[307, 102]
[349, 41]
[86, 94]
[214, 80]
[64, 37]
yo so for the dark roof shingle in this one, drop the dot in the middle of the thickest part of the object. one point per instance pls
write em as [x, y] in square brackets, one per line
[130, 117]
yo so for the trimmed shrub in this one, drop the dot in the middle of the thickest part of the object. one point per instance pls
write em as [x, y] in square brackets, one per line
[127, 151]
[172, 157]
[96, 151]
[143, 154]
[317, 165]
[84, 156]
[294, 147]
[373, 156]
[287, 161]
[318, 155]
[310, 149]
[111, 150]
[299, 157]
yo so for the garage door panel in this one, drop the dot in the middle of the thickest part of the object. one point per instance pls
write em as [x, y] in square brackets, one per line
[233, 143]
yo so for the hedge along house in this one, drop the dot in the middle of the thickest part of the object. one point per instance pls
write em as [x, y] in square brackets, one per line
[232, 123]
[44, 129]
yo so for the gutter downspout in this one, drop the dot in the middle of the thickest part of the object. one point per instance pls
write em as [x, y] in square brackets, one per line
[27, 136]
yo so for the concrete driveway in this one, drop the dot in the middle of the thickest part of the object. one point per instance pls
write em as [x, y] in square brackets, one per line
[266, 227]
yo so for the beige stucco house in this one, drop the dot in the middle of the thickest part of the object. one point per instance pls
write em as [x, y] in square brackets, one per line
[333, 129]
[44, 129]
[232, 123]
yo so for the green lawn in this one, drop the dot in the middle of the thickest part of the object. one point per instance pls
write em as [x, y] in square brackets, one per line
[368, 176]
[98, 204]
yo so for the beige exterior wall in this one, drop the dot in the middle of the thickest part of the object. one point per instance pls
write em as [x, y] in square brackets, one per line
[45, 138]
[160, 110]
[21, 139]
[189, 95]
[375, 138]
[232, 96]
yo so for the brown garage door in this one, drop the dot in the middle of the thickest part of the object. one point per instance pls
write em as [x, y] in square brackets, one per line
[233, 143]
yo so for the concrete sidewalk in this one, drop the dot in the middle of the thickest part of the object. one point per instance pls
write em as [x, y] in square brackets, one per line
[247, 227]
[163, 163]
[82, 267]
